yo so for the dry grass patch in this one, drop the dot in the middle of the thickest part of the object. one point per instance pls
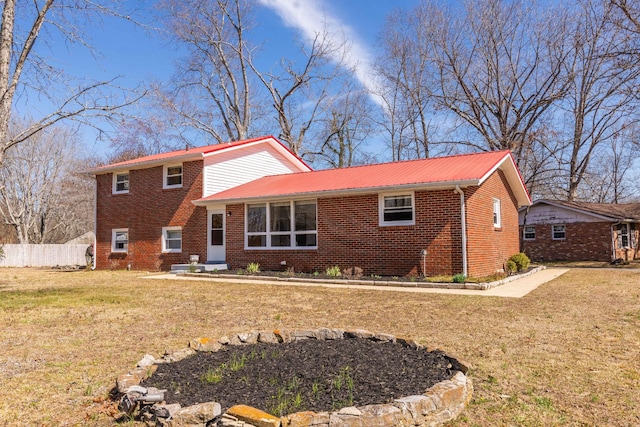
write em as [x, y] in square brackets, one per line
[566, 354]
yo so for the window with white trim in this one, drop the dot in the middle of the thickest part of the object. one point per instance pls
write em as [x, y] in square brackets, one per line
[278, 225]
[529, 232]
[623, 236]
[497, 216]
[396, 209]
[171, 239]
[559, 232]
[172, 176]
[120, 240]
[120, 182]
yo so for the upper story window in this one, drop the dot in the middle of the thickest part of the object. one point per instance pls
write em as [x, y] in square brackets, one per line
[172, 176]
[172, 239]
[529, 232]
[559, 232]
[497, 216]
[396, 209]
[120, 240]
[120, 182]
[277, 225]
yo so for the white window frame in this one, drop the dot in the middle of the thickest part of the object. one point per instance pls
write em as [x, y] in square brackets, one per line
[381, 209]
[524, 232]
[114, 233]
[115, 182]
[268, 233]
[165, 238]
[620, 234]
[497, 213]
[553, 232]
[166, 176]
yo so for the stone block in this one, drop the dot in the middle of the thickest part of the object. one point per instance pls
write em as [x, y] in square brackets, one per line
[249, 338]
[328, 334]
[123, 382]
[146, 361]
[384, 337]
[382, 416]
[358, 333]
[205, 344]
[196, 415]
[415, 407]
[253, 416]
[268, 338]
[306, 419]
[179, 355]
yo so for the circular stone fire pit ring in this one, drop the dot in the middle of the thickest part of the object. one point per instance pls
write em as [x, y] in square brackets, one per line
[440, 403]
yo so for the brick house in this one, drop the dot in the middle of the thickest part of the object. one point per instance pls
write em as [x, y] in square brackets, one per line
[553, 230]
[254, 201]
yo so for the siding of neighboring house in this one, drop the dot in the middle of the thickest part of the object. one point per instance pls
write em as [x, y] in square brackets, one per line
[585, 241]
[349, 235]
[145, 210]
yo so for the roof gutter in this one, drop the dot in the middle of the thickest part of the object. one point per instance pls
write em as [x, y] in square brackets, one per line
[463, 226]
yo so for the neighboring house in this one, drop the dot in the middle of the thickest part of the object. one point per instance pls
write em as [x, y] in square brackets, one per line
[555, 230]
[254, 201]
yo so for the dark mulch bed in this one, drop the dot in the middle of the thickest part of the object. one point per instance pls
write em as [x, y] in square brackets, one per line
[304, 375]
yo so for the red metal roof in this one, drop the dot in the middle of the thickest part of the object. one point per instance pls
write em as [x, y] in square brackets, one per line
[187, 154]
[467, 169]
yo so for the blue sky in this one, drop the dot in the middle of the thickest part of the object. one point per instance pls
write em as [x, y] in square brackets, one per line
[140, 56]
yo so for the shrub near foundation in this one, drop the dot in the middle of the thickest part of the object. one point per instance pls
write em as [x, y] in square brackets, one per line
[521, 261]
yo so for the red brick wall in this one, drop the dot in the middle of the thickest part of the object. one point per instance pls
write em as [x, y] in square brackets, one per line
[144, 211]
[585, 241]
[349, 235]
[488, 248]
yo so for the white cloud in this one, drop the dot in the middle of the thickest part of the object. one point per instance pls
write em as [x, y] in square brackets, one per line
[310, 17]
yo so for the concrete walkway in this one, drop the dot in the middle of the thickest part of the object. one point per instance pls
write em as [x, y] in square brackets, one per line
[514, 289]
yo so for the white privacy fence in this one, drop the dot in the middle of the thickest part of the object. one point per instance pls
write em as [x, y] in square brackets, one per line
[43, 255]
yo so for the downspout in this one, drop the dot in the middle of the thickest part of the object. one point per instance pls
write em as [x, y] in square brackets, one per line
[95, 221]
[463, 226]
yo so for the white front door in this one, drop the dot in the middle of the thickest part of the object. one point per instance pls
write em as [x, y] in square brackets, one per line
[215, 240]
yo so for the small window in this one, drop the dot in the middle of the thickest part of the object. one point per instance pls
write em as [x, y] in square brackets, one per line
[529, 233]
[120, 240]
[558, 232]
[173, 176]
[623, 236]
[172, 239]
[497, 219]
[120, 182]
[396, 209]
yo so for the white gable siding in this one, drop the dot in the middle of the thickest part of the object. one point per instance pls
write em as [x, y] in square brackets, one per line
[547, 214]
[228, 169]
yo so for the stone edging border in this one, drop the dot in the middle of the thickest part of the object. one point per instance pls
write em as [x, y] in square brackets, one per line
[388, 283]
[441, 403]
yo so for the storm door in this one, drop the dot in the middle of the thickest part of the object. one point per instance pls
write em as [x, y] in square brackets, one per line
[216, 251]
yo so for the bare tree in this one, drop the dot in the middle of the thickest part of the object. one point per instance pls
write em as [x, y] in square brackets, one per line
[500, 68]
[600, 102]
[41, 195]
[345, 129]
[25, 70]
[211, 92]
[404, 67]
[299, 93]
